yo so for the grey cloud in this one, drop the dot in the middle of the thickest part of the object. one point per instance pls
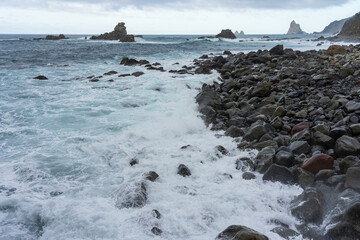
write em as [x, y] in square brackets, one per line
[239, 4]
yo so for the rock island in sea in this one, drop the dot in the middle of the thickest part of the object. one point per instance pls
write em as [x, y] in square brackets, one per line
[119, 33]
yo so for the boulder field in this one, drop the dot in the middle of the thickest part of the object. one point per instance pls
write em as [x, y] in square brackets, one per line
[301, 111]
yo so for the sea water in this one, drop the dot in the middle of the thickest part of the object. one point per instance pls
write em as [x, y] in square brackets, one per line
[66, 143]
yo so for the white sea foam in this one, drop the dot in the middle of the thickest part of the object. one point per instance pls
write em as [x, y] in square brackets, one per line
[66, 147]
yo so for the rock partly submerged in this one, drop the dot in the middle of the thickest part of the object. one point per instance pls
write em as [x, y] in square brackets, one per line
[119, 33]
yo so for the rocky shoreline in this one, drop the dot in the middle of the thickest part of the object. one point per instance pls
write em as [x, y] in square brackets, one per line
[301, 111]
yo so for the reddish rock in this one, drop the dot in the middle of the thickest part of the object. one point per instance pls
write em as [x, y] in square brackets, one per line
[336, 49]
[299, 127]
[317, 163]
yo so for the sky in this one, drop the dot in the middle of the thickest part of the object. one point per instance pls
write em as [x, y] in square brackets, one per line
[170, 16]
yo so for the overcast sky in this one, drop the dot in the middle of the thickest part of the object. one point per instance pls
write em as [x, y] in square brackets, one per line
[170, 16]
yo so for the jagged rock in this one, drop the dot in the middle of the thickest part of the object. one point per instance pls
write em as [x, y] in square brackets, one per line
[307, 206]
[151, 176]
[347, 162]
[277, 50]
[238, 232]
[129, 62]
[304, 178]
[285, 232]
[226, 33]
[156, 231]
[318, 162]
[110, 73]
[299, 147]
[295, 28]
[352, 106]
[183, 170]
[255, 132]
[277, 173]
[265, 158]
[346, 145]
[132, 196]
[119, 33]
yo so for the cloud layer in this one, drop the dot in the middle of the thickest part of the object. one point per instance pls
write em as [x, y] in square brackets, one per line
[238, 4]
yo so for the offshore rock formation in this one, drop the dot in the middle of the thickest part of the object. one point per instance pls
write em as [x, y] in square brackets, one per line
[334, 27]
[241, 33]
[52, 37]
[119, 33]
[351, 27]
[226, 33]
[295, 28]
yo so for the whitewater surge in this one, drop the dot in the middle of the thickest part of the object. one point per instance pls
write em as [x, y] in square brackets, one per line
[66, 145]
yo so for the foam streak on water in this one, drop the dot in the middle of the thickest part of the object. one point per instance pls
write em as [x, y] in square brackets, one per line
[66, 143]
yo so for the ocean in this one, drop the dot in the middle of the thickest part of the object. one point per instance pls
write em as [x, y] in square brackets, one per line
[66, 143]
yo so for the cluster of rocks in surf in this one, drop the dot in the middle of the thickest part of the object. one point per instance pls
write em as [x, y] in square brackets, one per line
[301, 111]
[52, 37]
[119, 33]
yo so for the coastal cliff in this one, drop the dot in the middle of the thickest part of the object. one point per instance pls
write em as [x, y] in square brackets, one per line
[334, 27]
[351, 27]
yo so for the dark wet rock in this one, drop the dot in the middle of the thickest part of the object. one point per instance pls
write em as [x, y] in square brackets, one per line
[348, 226]
[303, 135]
[129, 62]
[52, 37]
[94, 80]
[156, 231]
[248, 176]
[124, 75]
[277, 173]
[285, 232]
[226, 33]
[307, 206]
[234, 132]
[277, 50]
[41, 77]
[318, 162]
[110, 73]
[353, 178]
[265, 158]
[299, 147]
[304, 178]
[255, 132]
[156, 213]
[348, 162]
[227, 53]
[262, 90]
[222, 150]
[127, 38]
[203, 70]
[183, 170]
[133, 196]
[134, 161]
[244, 164]
[137, 74]
[324, 174]
[346, 145]
[284, 158]
[238, 232]
[151, 176]
[355, 129]
[319, 138]
[352, 106]
[337, 132]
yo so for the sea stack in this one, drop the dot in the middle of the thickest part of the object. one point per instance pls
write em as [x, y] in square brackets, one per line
[226, 33]
[295, 28]
[351, 28]
[119, 33]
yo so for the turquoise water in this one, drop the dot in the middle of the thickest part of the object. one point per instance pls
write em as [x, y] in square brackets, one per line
[66, 143]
